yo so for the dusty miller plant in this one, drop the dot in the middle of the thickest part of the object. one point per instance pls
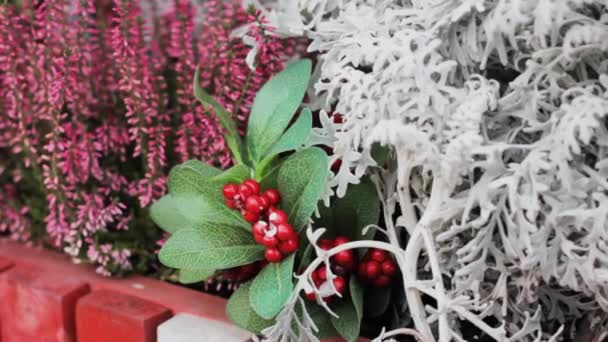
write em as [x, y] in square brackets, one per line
[496, 196]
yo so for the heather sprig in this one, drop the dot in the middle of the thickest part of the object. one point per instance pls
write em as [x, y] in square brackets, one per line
[97, 102]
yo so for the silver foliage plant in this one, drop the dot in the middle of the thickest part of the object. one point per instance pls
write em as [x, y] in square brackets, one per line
[496, 113]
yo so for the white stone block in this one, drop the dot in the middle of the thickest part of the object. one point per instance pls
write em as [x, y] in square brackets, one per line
[189, 328]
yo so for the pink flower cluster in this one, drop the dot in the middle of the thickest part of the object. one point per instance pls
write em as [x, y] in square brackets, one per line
[97, 105]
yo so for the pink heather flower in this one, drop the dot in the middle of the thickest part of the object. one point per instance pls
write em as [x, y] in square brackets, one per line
[88, 118]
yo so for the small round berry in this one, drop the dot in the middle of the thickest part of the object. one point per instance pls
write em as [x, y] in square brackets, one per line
[245, 191]
[326, 244]
[230, 190]
[362, 271]
[277, 216]
[322, 273]
[249, 216]
[231, 203]
[259, 228]
[269, 241]
[254, 204]
[288, 246]
[338, 118]
[345, 259]
[378, 255]
[285, 231]
[265, 203]
[340, 240]
[382, 281]
[335, 166]
[311, 296]
[388, 267]
[273, 196]
[315, 276]
[255, 186]
[273, 255]
[259, 238]
[372, 269]
[340, 284]
[339, 270]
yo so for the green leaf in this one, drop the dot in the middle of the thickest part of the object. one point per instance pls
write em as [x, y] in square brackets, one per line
[380, 154]
[296, 135]
[272, 287]
[348, 216]
[183, 210]
[302, 181]
[166, 214]
[350, 312]
[233, 139]
[322, 321]
[210, 247]
[270, 176]
[194, 276]
[377, 301]
[240, 312]
[236, 174]
[274, 107]
[359, 208]
[194, 177]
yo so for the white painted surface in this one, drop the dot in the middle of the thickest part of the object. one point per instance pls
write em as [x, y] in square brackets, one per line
[189, 328]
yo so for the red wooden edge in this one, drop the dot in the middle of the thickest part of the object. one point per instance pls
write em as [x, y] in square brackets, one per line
[173, 297]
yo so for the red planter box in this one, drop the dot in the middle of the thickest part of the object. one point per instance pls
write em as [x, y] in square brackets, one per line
[44, 297]
[106, 315]
[38, 305]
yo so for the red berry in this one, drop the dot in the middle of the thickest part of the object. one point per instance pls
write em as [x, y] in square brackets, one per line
[259, 228]
[339, 270]
[361, 271]
[326, 244]
[273, 255]
[335, 166]
[285, 231]
[315, 276]
[269, 241]
[322, 273]
[340, 284]
[311, 296]
[253, 204]
[245, 191]
[273, 196]
[249, 216]
[382, 281]
[255, 186]
[288, 246]
[388, 267]
[277, 216]
[372, 269]
[378, 255]
[340, 240]
[345, 259]
[265, 203]
[230, 190]
[338, 118]
[259, 238]
[231, 204]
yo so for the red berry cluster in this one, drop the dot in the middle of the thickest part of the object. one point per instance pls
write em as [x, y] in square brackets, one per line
[270, 224]
[319, 277]
[377, 268]
[341, 265]
[343, 262]
[245, 272]
[246, 197]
